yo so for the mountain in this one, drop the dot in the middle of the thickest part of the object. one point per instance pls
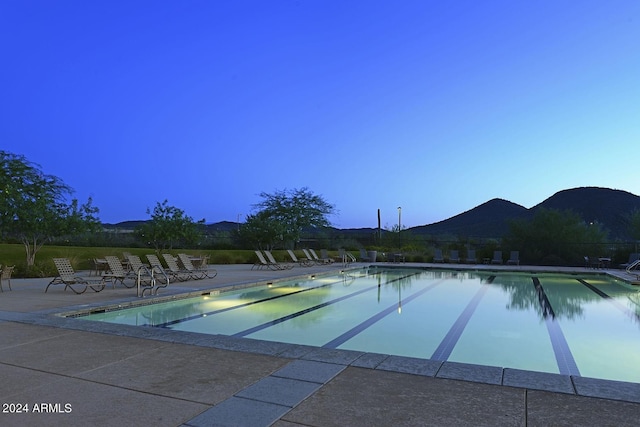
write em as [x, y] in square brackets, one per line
[486, 220]
[124, 225]
[607, 207]
[131, 225]
[222, 226]
[604, 206]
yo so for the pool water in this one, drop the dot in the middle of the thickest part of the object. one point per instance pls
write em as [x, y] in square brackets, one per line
[583, 325]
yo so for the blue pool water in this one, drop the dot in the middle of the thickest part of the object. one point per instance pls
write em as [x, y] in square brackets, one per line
[585, 325]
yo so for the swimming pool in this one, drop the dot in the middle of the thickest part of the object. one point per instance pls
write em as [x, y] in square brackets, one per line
[582, 325]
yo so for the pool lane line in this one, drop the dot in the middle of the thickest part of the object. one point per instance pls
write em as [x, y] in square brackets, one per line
[564, 357]
[611, 300]
[336, 342]
[543, 300]
[448, 343]
[314, 308]
[222, 310]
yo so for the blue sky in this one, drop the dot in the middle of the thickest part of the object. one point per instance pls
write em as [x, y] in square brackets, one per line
[433, 106]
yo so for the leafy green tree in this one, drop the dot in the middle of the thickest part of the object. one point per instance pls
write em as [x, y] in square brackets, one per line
[554, 236]
[295, 210]
[634, 224]
[169, 226]
[261, 231]
[34, 207]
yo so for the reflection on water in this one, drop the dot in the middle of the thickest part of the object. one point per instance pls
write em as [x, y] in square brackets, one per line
[499, 318]
[272, 309]
[561, 297]
[635, 301]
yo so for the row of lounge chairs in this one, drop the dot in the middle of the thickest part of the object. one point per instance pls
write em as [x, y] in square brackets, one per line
[454, 257]
[132, 272]
[267, 260]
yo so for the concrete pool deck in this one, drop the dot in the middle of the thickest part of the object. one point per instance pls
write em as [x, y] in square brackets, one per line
[74, 372]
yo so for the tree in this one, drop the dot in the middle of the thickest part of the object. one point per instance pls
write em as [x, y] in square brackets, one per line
[34, 207]
[634, 224]
[168, 226]
[554, 236]
[261, 231]
[294, 210]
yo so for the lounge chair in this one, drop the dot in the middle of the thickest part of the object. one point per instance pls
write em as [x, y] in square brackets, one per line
[145, 273]
[437, 257]
[159, 270]
[5, 274]
[264, 262]
[497, 257]
[276, 264]
[261, 263]
[514, 258]
[125, 261]
[471, 257]
[324, 256]
[308, 255]
[202, 263]
[454, 256]
[69, 279]
[364, 257]
[198, 273]
[302, 262]
[318, 259]
[172, 265]
[150, 278]
[116, 272]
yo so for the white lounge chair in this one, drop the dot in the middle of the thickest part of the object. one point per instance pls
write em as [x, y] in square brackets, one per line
[198, 273]
[276, 264]
[69, 279]
[116, 273]
[302, 262]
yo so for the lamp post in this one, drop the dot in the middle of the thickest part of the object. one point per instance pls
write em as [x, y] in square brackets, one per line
[399, 226]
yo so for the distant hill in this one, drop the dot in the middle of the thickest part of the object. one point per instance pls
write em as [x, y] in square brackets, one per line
[604, 206]
[124, 225]
[131, 225]
[223, 226]
[486, 220]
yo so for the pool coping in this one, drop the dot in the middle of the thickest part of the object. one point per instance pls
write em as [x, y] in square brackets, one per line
[67, 318]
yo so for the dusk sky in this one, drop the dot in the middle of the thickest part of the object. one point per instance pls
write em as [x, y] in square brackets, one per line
[434, 106]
